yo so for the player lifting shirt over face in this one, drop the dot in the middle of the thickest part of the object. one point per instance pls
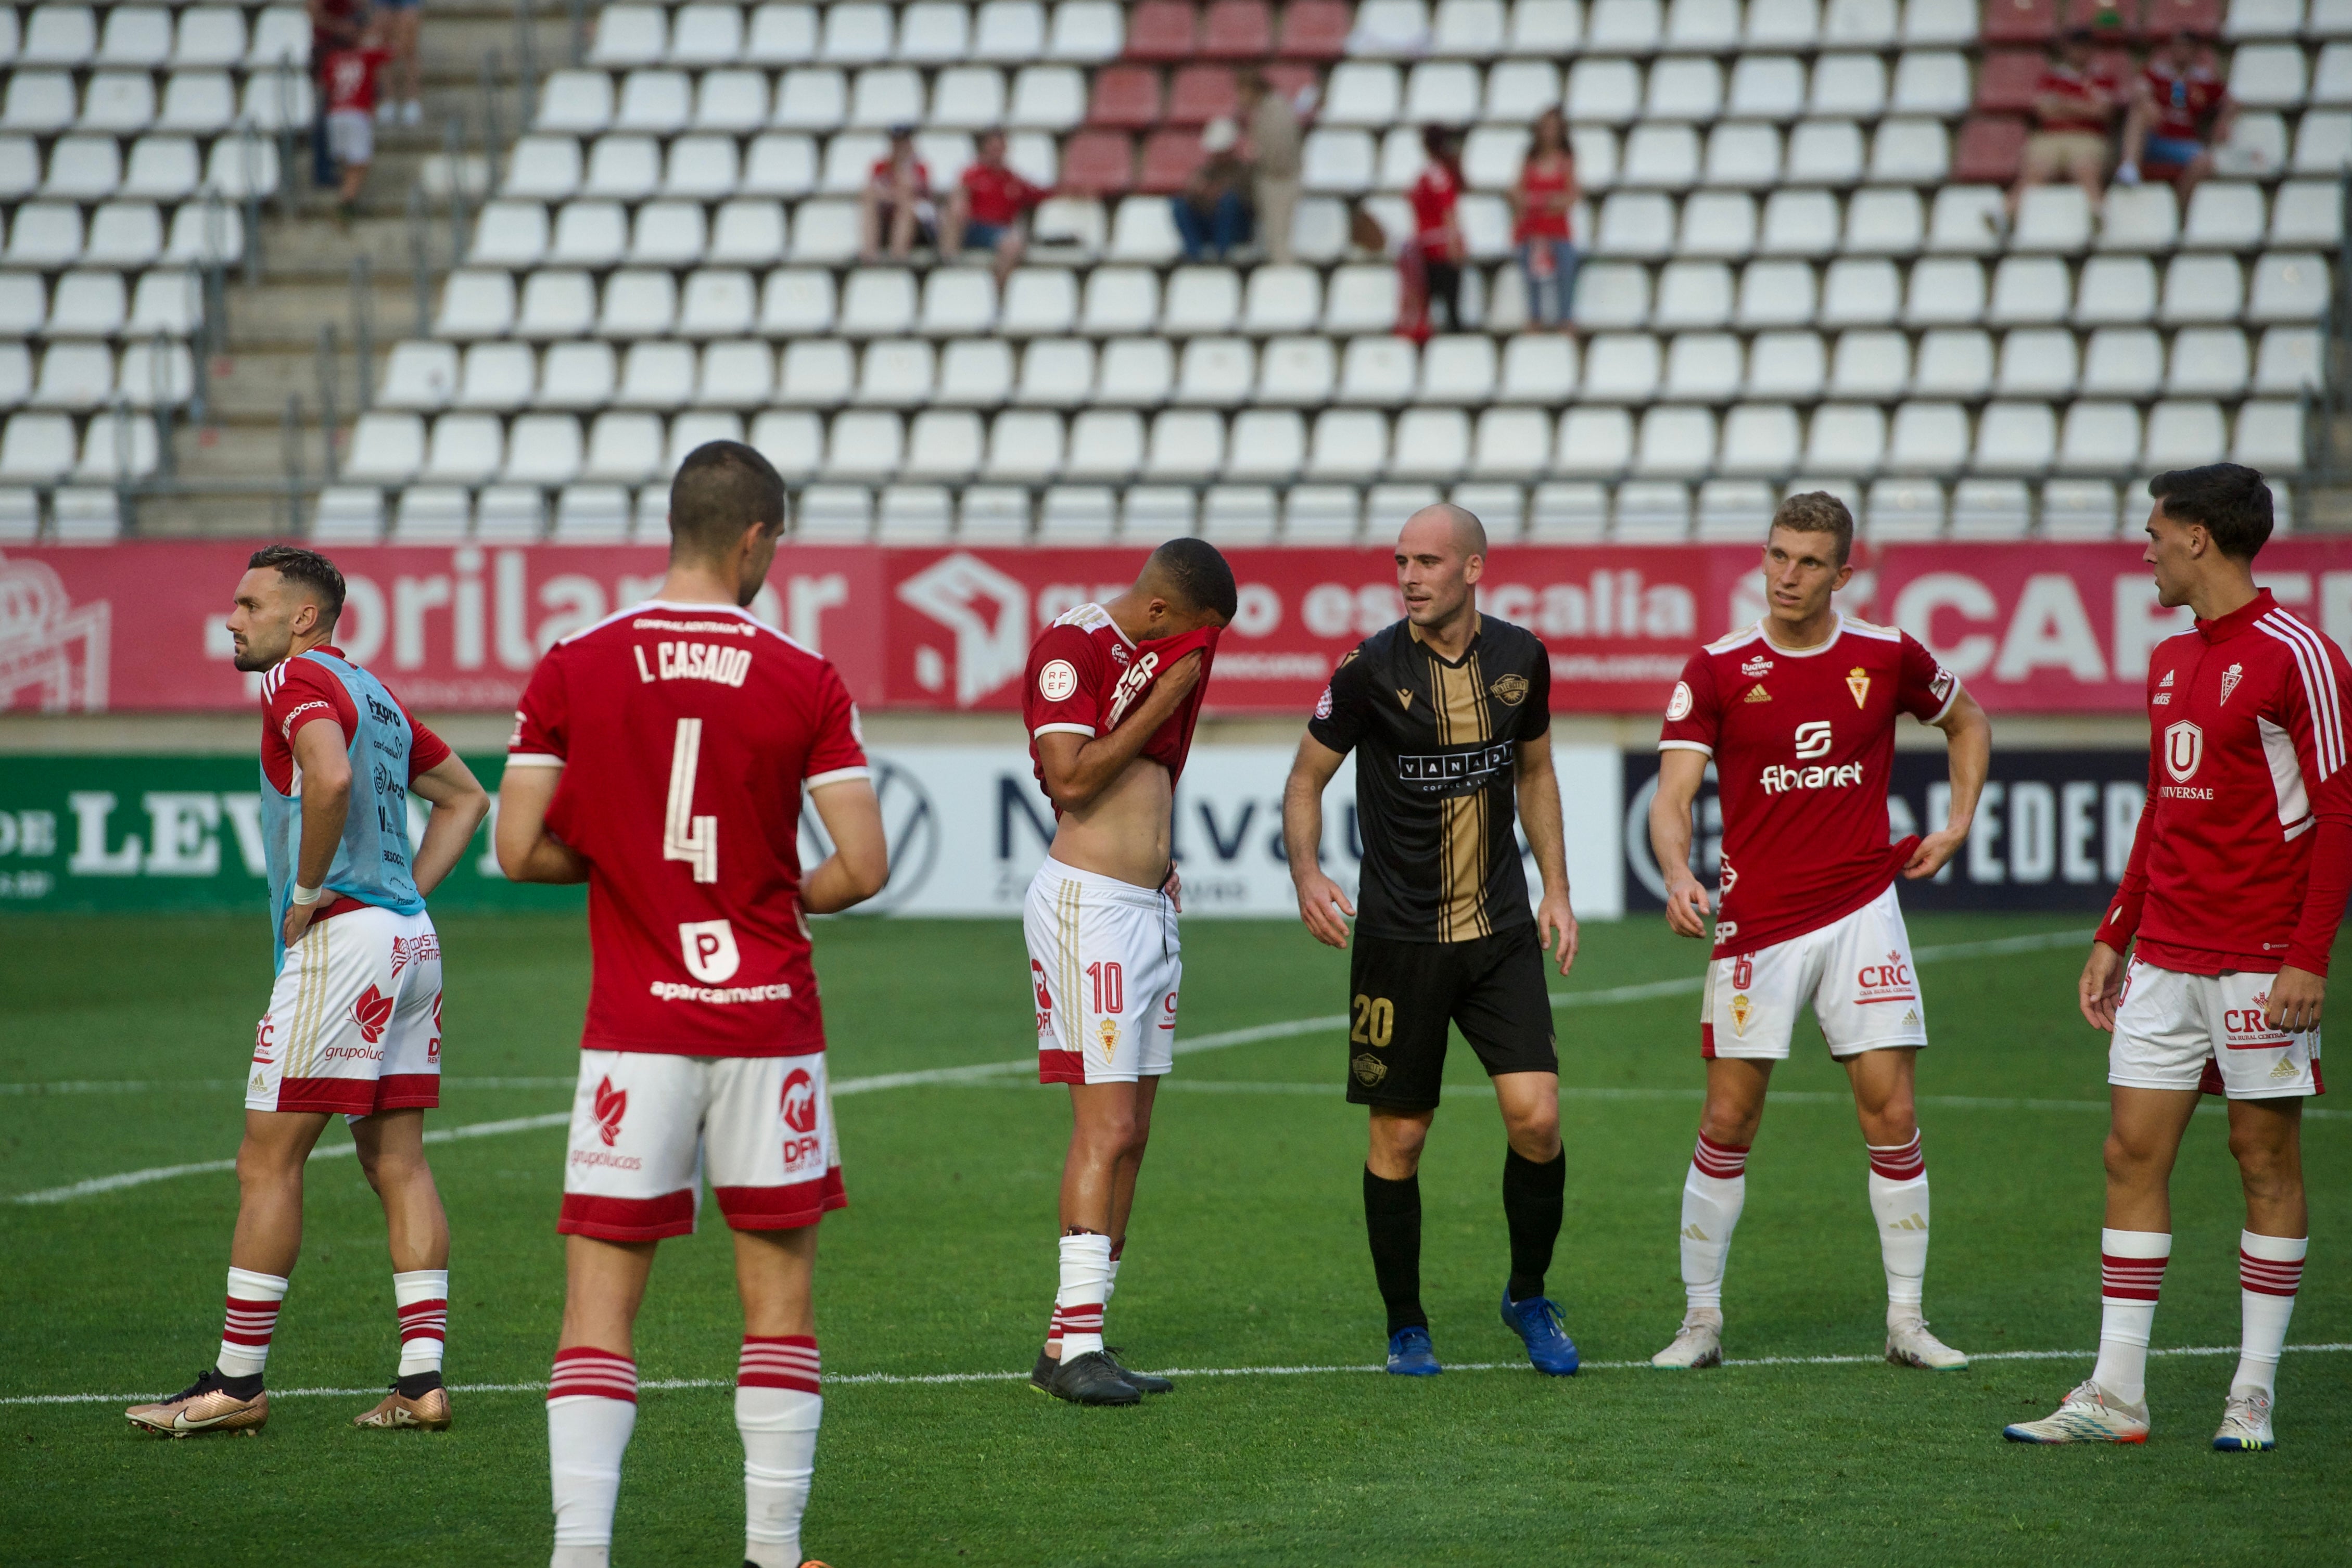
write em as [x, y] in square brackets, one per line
[1109, 699]
[1448, 712]
[1798, 714]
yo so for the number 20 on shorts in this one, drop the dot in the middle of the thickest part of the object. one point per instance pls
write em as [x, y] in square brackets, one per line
[1375, 1021]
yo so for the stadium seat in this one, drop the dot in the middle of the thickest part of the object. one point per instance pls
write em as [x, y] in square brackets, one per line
[1600, 91]
[2143, 217]
[1885, 222]
[1965, 218]
[2323, 141]
[2268, 76]
[736, 373]
[2123, 362]
[1635, 224]
[1718, 223]
[1430, 443]
[1296, 371]
[2208, 362]
[1760, 438]
[2289, 361]
[812, 97]
[2183, 433]
[1990, 149]
[657, 376]
[211, 38]
[76, 377]
[1511, 442]
[1665, 157]
[2331, 79]
[1265, 444]
[124, 235]
[1873, 365]
[1800, 223]
[1201, 299]
[818, 372]
[589, 233]
[2287, 286]
[543, 449]
[1785, 365]
[578, 375]
[1845, 439]
[1990, 508]
[499, 377]
[1362, 300]
[432, 515]
[1469, 30]
[2036, 362]
[1652, 511]
[1379, 370]
[1684, 89]
[2308, 213]
[1137, 371]
[1566, 511]
[1624, 27]
[1776, 293]
[44, 235]
[2029, 290]
[2018, 438]
[1692, 293]
[1457, 369]
[2099, 438]
[625, 448]
[1848, 87]
[896, 373]
[1933, 82]
[2268, 435]
[2078, 509]
[1767, 87]
[2196, 289]
[1904, 508]
[118, 103]
[421, 376]
[1704, 366]
[1928, 438]
[655, 102]
[1946, 291]
[795, 301]
[1620, 367]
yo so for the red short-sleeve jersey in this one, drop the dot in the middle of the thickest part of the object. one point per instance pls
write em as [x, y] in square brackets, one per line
[998, 195]
[1434, 197]
[687, 734]
[1085, 674]
[351, 77]
[2244, 849]
[881, 175]
[2089, 99]
[2185, 100]
[1803, 743]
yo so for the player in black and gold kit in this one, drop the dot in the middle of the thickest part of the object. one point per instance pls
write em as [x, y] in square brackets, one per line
[1448, 713]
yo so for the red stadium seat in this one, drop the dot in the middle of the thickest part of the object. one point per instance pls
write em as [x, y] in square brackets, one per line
[1202, 93]
[1287, 77]
[1127, 97]
[1991, 147]
[1169, 158]
[2019, 21]
[1316, 29]
[1098, 163]
[2108, 18]
[2165, 17]
[1237, 30]
[2005, 85]
[1162, 30]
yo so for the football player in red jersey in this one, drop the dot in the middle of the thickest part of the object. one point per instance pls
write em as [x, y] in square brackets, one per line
[660, 755]
[1798, 713]
[2234, 890]
[1109, 699]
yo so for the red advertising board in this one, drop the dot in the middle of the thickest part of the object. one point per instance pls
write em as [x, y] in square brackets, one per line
[2034, 628]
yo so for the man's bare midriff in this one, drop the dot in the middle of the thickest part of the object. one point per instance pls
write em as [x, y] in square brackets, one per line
[1123, 831]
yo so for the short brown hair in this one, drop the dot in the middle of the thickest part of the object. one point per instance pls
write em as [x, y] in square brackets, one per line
[2228, 498]
[1817, 512]
[309, 570]
[722, 488]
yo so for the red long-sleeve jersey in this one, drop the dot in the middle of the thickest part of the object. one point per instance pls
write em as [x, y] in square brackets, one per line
[2243, 855]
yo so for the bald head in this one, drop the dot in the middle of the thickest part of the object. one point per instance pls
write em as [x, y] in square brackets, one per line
[1442, 524]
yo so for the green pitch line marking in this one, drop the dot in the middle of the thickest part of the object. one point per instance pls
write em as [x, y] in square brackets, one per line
[912, 1380]
[980, 1071]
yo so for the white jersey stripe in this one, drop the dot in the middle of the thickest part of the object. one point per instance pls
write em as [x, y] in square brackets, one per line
[2323, 669]
[2318, 686]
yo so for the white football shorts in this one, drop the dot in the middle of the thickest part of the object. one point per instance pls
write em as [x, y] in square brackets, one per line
[1856, 971]
[1105, 964]
[354, 1019]
[2191, 1031]
[648, 1126]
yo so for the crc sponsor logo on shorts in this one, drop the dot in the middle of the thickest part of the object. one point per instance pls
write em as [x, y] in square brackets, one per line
[2243, 1029]
[801, 1144]
[1779, 780]
[1888, 980]
[264, 1037]
[671, 991]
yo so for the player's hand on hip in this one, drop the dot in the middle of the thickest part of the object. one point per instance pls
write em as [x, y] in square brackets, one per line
[1687, 906]
[1174, 887]
[2102, 986]
[1934, 851]
[1324, 907]
[2294, 1001]
[1555, 927]
[298, 921]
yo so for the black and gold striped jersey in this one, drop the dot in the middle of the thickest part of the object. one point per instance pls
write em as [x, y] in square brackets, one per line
[1436, 746]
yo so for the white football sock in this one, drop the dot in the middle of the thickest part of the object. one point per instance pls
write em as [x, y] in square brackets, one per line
[252, 1318]
[1713, 1191]
[592, 1409]
[1898, 1197]
[1053, 1330]
[1086, 1285]
[777, 1408]
[423, 1297]
[2270, 1271]
[2131, 1273]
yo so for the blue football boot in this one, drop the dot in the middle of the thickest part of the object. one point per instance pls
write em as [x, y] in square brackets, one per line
[1412, 1356]
[1537, 1322]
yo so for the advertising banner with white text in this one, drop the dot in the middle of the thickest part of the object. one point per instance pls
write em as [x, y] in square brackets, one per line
[2032, 628]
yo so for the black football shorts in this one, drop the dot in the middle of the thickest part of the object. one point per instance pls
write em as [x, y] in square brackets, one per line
[1402, 995]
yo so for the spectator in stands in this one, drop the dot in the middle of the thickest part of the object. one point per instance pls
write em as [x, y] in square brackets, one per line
[1213, 211]
[1540, 206]
[334, 25]
[1431, 261]
[2179, 111]
[405, 100]
[896, 207]
[985, 210]
[1274, 142]
[351, 76]
[2073, 114]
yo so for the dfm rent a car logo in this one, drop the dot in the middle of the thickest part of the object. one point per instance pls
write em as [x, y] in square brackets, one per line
[2184, 748]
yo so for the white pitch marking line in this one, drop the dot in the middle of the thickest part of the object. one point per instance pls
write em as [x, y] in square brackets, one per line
[1224, 1039]
[916, 1380]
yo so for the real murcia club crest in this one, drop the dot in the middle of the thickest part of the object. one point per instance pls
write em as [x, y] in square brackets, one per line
[1109, 1028]
[1857, 681]
[1740, 1008]
[2229, 679]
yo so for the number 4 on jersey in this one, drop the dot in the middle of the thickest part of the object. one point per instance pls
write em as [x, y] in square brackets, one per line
[685, 836]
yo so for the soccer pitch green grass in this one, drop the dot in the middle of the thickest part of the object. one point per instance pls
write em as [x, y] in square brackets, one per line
[1248, 1252]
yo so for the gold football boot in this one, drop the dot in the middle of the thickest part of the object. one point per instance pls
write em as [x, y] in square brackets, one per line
[208, 1405]
[425, 1412]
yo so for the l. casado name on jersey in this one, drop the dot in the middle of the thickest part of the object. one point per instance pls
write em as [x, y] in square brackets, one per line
[694, 662]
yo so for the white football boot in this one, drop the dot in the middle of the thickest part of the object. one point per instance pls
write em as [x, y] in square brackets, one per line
[2246, 1423]
[1908, 1344]
[2089, 1414]
[1698, 1342]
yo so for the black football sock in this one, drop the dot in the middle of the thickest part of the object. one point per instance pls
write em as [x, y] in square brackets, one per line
[244, 1388]
[416, 1385]
[1393, 1221]
[1532, 1202]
